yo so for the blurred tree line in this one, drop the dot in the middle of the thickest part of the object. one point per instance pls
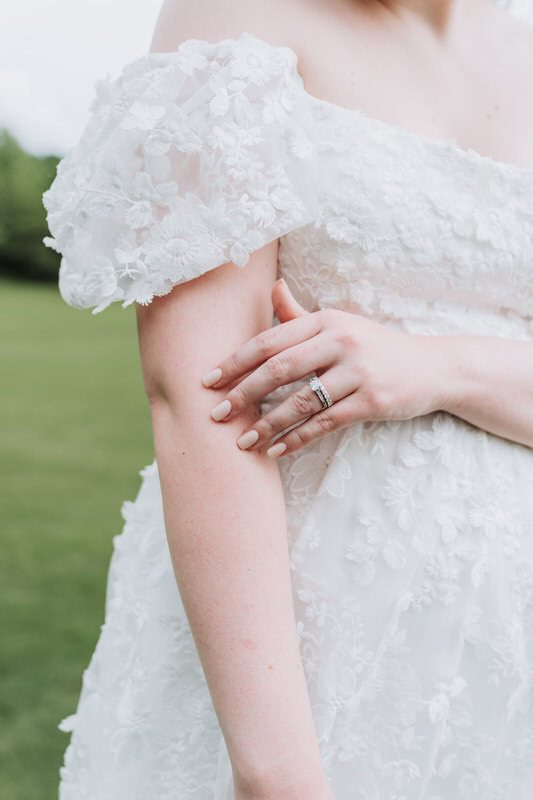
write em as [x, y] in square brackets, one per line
[23, 179]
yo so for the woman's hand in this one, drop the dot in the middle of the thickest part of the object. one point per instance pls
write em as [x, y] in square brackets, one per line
[371, 371]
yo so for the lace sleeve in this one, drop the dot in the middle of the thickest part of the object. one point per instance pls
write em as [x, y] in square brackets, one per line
[189, 159]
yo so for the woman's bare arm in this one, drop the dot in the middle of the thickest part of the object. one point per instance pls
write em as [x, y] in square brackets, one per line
[225, 520]
[224, 509]
[490, 382]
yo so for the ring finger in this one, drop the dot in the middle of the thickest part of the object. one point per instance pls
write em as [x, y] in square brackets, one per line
[297, 407]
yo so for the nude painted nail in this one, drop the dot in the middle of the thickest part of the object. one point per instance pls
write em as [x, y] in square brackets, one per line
[221, 411]
[212, 377]
[247, 439]
[276, 449]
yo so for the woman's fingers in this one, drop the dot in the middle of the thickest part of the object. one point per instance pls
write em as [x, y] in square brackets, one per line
[265, 344]
[285, 367]
[341, 414]
[297, 407]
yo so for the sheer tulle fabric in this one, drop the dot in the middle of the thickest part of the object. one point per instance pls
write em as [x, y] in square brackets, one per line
[190, 159]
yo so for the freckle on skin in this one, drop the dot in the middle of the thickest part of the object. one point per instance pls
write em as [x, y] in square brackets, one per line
[270, 666]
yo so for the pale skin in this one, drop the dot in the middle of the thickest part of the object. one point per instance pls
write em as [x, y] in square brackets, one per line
[372, 372]
[224, 507]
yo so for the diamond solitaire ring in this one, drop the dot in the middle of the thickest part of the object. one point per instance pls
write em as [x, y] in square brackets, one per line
[320, 390]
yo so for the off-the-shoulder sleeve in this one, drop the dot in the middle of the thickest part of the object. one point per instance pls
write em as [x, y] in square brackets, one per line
[189, 159]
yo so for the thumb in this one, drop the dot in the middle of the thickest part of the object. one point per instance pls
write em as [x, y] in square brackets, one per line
[285, 306]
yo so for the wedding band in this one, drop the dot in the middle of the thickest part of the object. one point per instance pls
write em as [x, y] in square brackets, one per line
[321, 392]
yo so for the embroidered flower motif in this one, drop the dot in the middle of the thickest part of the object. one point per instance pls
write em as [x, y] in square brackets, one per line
[103, 279]
[143, 116]
[139, 215]
[128, 258]
[249, 65]
[159, 194]
[173, 245]
[207, 126]
[307, 471]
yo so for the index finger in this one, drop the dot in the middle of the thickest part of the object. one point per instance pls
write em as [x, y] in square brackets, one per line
[262, 346]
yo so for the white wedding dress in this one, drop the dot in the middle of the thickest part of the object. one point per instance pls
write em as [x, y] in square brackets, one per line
[411, 542]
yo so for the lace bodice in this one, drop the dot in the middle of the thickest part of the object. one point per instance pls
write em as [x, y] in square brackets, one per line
[202, 155]
[413, 231]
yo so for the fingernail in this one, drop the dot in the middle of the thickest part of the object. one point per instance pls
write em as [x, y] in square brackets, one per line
[221, 411]
[247, 439]
[276, 449]
[212, 377]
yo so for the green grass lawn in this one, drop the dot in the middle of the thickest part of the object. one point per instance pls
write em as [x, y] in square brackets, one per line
[75, 431]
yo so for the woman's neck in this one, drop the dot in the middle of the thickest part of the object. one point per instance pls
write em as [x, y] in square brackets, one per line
[440, 15]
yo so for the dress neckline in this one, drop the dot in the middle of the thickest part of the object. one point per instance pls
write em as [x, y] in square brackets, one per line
[450, 143]
[468, 154]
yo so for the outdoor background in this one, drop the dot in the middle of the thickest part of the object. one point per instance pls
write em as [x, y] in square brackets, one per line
[74, 422]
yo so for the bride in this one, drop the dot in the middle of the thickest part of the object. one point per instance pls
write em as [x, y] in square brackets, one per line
[324, 587]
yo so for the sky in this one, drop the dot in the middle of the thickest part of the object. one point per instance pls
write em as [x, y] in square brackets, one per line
[53, 51]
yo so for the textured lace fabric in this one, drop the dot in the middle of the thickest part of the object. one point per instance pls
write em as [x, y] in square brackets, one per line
[411, 542]
[190, 159]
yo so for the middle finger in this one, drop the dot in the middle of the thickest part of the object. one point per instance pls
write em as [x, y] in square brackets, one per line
[289, 365]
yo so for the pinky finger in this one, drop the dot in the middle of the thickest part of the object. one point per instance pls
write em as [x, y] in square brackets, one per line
[342, 413]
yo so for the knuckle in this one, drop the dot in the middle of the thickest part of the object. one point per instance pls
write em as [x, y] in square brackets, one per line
[266, 427]
[346, 338]
[303, 404]
[237, 397]
[277, 367]
[296, 438]
[379, 403]
[347, 416]
[327, 316]
[231, 365]
[325, 421]
[263, 341]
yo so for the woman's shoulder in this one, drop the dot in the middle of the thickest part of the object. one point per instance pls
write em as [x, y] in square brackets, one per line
[191, 157]
[275, 23]
[296, 33]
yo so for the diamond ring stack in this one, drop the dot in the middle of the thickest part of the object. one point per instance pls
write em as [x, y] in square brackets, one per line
[320, 390]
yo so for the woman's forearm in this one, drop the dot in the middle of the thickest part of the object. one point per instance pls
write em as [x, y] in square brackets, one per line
[491, 384]
[225, 521]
